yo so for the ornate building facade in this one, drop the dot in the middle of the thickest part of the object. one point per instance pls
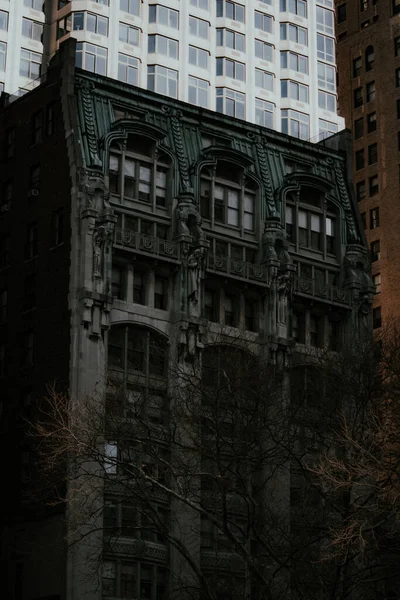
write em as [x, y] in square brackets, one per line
[153, 223]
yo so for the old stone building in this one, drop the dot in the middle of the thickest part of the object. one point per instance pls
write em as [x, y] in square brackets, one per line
[149, 223]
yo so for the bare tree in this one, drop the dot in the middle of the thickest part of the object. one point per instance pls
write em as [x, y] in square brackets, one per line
[358, 466]
[255, 491]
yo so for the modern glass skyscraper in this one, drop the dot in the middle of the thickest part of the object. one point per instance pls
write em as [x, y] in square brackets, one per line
[266, 61]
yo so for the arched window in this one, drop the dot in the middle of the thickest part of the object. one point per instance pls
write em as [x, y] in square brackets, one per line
[311, 223]
[137, 371]
[136, 350]
[369, 58]
[139, 173]
[227, 197]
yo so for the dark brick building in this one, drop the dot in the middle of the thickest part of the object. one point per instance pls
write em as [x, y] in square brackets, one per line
[368, 59]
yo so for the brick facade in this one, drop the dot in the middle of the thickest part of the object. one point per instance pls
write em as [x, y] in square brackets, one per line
[367, 57]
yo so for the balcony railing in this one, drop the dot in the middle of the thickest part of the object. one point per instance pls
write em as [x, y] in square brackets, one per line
[139, 548]
[237, 268]
[322, 291]
[146, 243]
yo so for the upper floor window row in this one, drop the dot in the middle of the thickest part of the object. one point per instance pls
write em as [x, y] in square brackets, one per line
[129, 6]
[90, 22]
[296, 7]
[164, 16]
[230, 10]
[139, 173]
[311, 223]
[32, 29]
[294, 33]
[3, 20]
[227, 197]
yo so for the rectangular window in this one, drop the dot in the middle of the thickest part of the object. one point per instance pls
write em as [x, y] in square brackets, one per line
[358, 128]
[377, 316]
[130, 6]
[357, 66]
[371, 122]
[363, 217]
[230, 68]
[250, 314]
[327, 101]
[128, 69]
[160, 293]
[398, 108]
[200, 4]
[341, 13]
[30, 64]
[265, 113]
[295, 123]
[34, 177]
[92, 58]
[199, 27]
[325, 48]
[32, 29]
[360, 161]
[35, 4]
[326, 77]
[37, 127]
[294, 33]
[139, 290]
[3, 54]
[296, 62]
[371, 91]
[263, 50]
[373, 185]
[398, 77]
[230, 103]
[358, 97]
[129, 34]
[294, 90]
[50, 119]
[396, 6]
[198, 91]
[163, 16]
[263, 21]
[325, 20]
[229, 305]
[210, 305]
[231, 39]
[230, 10]
[264, 80]
[361, 192]
[3, 20]
[374, 218]
[372, 154]
[198, 57]
[326, 129]
[163, 45]
[376, 279]
[296, 7]
[397, 46]
[162, 80]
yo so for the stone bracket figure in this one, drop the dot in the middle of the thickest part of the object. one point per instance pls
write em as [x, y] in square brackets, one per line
[101, 243]
[195, 270]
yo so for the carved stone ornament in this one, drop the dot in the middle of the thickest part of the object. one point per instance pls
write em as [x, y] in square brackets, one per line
[264, 172]
[101, 239]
